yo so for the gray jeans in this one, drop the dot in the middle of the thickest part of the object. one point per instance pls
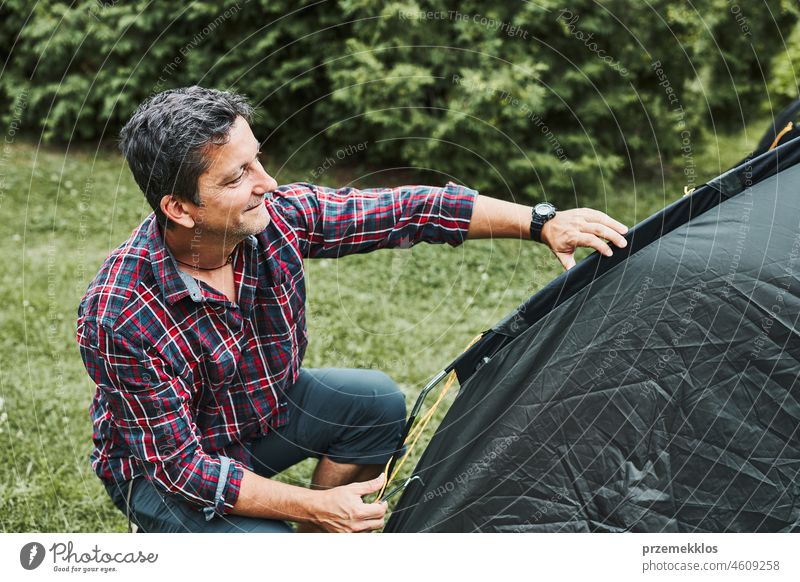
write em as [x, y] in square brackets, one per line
[349, 415]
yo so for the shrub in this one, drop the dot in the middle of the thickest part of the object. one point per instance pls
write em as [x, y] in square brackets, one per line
[521, 100]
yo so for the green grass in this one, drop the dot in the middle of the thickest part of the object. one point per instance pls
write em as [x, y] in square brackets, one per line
[407, 312]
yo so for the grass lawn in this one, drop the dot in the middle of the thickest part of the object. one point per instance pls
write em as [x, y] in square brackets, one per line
[407, 312]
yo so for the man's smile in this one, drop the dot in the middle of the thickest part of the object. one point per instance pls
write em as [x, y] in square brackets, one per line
[260, 203]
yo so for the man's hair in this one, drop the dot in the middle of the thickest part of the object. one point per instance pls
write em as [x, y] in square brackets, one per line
[166, 140]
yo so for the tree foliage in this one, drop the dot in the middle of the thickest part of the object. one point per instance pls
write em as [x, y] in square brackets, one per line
[520, 99]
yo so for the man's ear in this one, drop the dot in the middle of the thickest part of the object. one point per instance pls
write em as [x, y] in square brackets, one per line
[177, 210]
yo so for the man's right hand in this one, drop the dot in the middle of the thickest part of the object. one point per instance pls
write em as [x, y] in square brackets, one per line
[342, 509]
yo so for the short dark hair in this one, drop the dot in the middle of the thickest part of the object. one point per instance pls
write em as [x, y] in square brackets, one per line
[166, 139]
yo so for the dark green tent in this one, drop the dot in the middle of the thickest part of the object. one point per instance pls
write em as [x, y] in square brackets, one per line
[656, 390]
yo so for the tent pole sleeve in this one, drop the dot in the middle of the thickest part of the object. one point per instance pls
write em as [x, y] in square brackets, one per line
[413, 416]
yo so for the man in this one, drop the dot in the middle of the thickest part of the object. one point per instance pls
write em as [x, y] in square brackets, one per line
[194, 328]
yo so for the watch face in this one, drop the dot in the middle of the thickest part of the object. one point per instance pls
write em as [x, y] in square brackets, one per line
[544, 209]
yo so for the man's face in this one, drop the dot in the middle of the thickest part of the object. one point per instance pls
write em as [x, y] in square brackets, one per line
[232, 189]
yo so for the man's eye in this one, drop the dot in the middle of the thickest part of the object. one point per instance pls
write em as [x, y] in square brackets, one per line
[259, 157]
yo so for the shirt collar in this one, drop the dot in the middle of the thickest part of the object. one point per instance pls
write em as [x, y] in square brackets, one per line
[174, 283]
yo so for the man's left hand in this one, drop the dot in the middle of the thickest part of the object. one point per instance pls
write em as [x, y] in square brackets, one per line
[581, 227]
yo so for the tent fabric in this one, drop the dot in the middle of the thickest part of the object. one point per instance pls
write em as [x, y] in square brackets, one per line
[657, 390]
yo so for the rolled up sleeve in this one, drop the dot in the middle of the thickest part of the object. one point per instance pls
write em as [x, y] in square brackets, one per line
[150, 408]
[332, 223]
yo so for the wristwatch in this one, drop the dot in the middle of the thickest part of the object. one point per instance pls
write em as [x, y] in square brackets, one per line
[540, 214]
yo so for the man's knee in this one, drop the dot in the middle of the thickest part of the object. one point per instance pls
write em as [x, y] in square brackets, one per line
[388, 404]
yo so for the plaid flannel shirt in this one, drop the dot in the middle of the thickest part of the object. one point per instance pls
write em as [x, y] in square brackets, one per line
[185, 378]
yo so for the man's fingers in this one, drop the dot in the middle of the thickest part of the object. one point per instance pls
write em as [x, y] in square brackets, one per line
[606, 232]
[583, 227]
[605, 219]
[567, 260]
[371, 486]
[371, 525]
[591, 241]
[373, 511]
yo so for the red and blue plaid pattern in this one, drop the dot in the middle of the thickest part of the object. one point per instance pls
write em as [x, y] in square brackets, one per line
[184, 377]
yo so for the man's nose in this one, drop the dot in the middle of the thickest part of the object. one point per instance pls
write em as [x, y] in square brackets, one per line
[266, 183]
